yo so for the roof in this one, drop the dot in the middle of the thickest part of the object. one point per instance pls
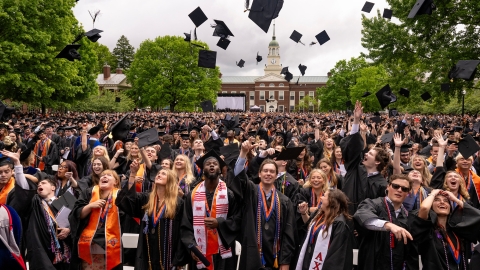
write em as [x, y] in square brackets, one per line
[251, 79]
[115, 79]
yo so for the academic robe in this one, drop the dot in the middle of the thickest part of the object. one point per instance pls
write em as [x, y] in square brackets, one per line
[77, 226]
[247, 194]
[438, 179]
[290, 188]
[340, 248]
[82, 158]
[50, 158]
[227, 228]
[463, 222]
[303, 195]
[131, 202]
[374, 246]
[357, 185]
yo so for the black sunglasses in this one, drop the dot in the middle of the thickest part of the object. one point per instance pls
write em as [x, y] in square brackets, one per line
[396, 186]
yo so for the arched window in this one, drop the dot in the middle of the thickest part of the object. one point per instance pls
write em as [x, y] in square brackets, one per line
[262, 85]
[281, 85]
[271, 85]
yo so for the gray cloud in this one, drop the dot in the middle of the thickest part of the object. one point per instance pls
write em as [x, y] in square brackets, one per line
[148, 19]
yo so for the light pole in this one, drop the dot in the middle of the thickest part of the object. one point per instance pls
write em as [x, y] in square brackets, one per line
[463, 102]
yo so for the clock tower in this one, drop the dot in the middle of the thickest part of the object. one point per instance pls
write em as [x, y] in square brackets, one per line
[273, 58]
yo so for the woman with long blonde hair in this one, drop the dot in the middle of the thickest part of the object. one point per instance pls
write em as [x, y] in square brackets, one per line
[334, 180]
[160, 212]
[184, 174]
[420, 164]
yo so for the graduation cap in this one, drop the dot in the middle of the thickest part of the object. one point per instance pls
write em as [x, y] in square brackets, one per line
[445, 87]
[322, 38]
[367, 7]
[198, 17]
[263, 12]
[259, 58]
[197, 129]
[5, 112]
[185, 136]
[467, 146]
[387, 13]
[385, 96]
[366, 94]
[464, 69]
[207, 106]
[296, 36]
[290, 153]
[94, 130]
[288, 76]
[66, 200]
[117, 99]
[422, 7]
[240, 63]
[386, 138]
[207, 59]
[94, 34]
[221, 29]
[70, 52]
[405, 92]
[230, 152]
[348, 103]
[302, 69]
[376, 119]
[210, 154]
[284, 71]
[426, 96]
[392, 112]
[223, 43]
[121, 128]
[147, 137]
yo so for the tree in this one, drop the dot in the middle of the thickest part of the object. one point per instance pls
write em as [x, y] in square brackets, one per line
[124, 52]
[165, 72]
[308, 103]
[104, 57]
[104, 102]
[30, 39]
[370, 79]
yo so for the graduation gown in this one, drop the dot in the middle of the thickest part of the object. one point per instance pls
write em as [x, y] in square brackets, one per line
[303, 195]
[227, 228]
[131, 202]
[357, 185]
[246, 191]
[374, 246]
[290, 188]
[464, 223]
[438, 178]
[340, 248]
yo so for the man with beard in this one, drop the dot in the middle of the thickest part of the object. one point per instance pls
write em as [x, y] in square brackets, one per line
[230, 138]
[211, 218]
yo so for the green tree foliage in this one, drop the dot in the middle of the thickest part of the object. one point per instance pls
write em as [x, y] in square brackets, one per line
[30, 38]
[104, 102]
[308, 103]
[104, 57]
[165, 73]
[370, 79]
[429, 44]
[124, 52]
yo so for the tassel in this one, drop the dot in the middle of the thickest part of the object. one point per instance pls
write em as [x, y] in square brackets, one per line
[195, 33]
[275, 264]
[263, 261]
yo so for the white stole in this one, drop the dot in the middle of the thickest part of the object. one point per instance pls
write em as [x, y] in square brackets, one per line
[320, 251]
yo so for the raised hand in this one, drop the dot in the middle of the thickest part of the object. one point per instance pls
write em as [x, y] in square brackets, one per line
[358, 111]
[397, 139]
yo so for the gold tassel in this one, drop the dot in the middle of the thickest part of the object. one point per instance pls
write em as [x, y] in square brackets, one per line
[275, 264]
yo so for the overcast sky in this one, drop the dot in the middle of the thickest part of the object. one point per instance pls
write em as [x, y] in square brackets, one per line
[139, 20]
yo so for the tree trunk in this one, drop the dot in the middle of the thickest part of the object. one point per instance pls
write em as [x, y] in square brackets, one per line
[44, 109]
[172, 107]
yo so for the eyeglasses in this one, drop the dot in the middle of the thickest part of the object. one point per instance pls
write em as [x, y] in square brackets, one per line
[396, 186]
[62, 167]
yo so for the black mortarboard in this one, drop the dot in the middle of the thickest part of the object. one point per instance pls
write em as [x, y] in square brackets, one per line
[464, 69]
[5, 112]
[207, 59]
[290, 153]
[194, 128]
[284, 71]
[207, 106]
[94, 130]
[366, 94]
[223, 43]
[67, 200]
[185, 136]
[94, 34]
[121, 128]
[348, 103]
[405, 148]
[240, 63]
[376, 119]
[368, 7]
[467, 146]
[221, 30]
[259, 58]
[393, 112]
[117, 99]
[426, 96]
[302, 69]
[198, 17]
[230, 152]
[387, 13]
[296, 36]
[70, 52]
[188, 37]
[147, 137]
[262, 12]
[288, 76]
[210, 154]
[165, 151]
[445, 87]
[422, 7]
[323, 37]
[405, 92]
[385, 96]
[386, 138]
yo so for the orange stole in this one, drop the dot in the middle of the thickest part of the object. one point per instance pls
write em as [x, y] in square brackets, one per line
[113, 243]
[6, 189]
[46, 146]
[138, 185]
[476, 182]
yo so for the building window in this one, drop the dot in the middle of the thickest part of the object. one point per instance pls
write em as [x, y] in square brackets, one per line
[233, 92]
[310, 108]
[252, 95]
[262, 108]
[262, 95]
[302, 95]
[262, 85]
[292, 95]
[224, 92]
[311, 93]
[280, 95]
[281, 85]
[280, 108]
[292, 108]
[242, 92]
[271, 94]
[271, 85]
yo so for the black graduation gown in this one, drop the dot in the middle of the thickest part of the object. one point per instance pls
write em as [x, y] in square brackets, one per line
[357, 185]
[340, 247]
[227, 228]
[131, 202]
[246, 192]
[77, 226]
[39, 253]
[463, 222]
[303, 195]
[291, 186]
[51, 158]
[374, 246]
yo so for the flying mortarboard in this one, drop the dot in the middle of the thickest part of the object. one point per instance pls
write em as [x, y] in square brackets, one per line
[290, 153]
[367, 7]
[366, 94]
[284, 71]
[223, 43]
[468, 146]
[263, 12]
[385, 96]
[210, 154]
[464, 69]
[240, 63]
[386, 138]
[296, 36]
[121, 128]
[230, 152]
[94, 34]
[198, 17]
[302, 69]
[426, 96]
[66, 200]
[288, 76]
[117, 99]
[147, 137]
[207, 59]
[422, 7]
[348, 103]
[323, 37]
[259, 58]
[405, 92]
[70, 52]
[5, 112]
[387, 13]
[221, 29]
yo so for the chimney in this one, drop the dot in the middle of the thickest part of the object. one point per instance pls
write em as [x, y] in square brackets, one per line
[119, 71]
[329, 74]
[106, 72]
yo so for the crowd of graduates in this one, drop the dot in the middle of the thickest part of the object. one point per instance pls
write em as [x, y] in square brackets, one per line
[297, 191]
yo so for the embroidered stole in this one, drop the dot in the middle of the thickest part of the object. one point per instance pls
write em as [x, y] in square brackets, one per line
[207, 239]
[43, 147]
[321, 246]
[473, 182]
[6, 189]
[113, 232]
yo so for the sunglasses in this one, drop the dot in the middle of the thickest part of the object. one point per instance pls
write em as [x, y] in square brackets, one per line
[396, 186]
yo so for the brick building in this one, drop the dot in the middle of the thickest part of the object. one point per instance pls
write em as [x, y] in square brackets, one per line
[271, 92]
